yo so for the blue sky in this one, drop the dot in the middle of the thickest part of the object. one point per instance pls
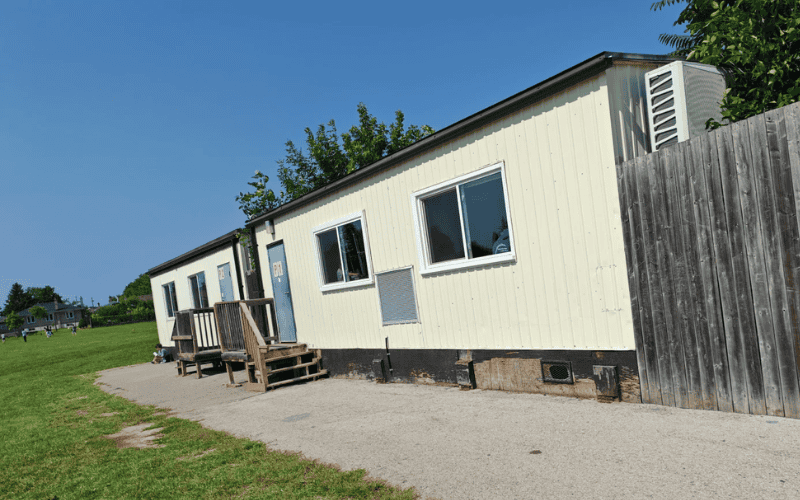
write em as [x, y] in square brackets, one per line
[128, 128]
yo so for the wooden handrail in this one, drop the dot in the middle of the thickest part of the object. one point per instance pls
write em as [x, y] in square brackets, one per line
[252, 324]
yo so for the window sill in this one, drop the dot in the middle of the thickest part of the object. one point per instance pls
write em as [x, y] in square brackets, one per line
[345, 285]
[466, 264]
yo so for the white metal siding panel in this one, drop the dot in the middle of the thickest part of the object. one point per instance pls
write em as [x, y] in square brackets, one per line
[180, 276]
[568, 288]
[628, 111]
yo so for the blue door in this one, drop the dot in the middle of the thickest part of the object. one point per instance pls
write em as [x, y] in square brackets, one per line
[225, 282]
[282, 293]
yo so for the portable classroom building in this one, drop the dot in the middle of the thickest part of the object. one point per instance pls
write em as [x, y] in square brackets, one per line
[197, 279]
[494, 243]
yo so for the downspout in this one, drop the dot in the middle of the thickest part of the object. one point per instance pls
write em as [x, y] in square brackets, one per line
[239, 277]
[257, 263]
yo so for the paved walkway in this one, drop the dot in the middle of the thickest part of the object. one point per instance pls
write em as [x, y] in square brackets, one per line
[453, 444]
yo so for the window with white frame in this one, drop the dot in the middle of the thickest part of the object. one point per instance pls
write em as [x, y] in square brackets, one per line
[464, 222]
[31, 320]
[197, 283]
[343, 253]
[70, 315]
[50, 317]
[170, 298]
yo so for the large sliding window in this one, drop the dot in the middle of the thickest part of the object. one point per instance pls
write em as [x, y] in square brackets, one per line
[464, 222]
[197, 283]
[170, 299]
[343, 253]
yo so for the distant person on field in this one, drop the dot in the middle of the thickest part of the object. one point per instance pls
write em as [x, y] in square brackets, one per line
[48, 332]
[25, 335]
[161, 354]
[73, 329]
[4, 338]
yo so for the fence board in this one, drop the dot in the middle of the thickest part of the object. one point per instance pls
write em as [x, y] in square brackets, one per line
[698, 357]
[792, 150]
[759, 348]
[726, 277]
[785, 242]
[638, 228]
[709, 320]
[684, 348]
[656, 298]
[665, 244]
[626, 210]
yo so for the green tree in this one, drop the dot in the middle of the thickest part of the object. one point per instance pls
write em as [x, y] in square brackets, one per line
[260, 200]
[17, 300]
[139, 286]
[328, 158]
[13, 320]
[756, 42]
[38, 312]
[40, 295]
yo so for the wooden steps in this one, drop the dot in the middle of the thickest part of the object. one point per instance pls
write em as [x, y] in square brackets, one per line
[283, 364]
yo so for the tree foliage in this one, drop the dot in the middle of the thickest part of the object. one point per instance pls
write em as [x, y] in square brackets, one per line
[13, 320]
[138, 287]
[44, 294]
[260, 200]
[328, 160]
[756, 42]
[329, 157]
[38, 312]
[17, 300]
[20, 299]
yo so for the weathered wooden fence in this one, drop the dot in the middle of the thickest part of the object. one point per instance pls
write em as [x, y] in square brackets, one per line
[713, 251]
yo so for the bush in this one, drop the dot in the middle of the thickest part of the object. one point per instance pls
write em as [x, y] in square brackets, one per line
[121, 319]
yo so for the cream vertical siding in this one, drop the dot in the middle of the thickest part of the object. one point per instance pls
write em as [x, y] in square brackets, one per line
[180, 275]
[568, 287]
[629, 109]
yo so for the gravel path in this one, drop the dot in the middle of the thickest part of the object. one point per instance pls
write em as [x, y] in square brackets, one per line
[453, 444]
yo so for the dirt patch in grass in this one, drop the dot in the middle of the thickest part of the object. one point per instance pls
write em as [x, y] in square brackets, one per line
[81, 412]
[136, 436]
[110, 414]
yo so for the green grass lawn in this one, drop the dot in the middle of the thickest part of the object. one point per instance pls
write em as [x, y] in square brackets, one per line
[53, 444]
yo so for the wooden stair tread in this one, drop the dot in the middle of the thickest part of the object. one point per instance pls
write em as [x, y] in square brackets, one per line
[288, 356]
[298, 379]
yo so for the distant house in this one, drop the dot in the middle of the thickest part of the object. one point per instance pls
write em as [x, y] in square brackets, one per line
[58, 315]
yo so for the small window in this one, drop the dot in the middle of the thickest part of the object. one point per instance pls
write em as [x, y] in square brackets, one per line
[343, 253]
[70, 315]
[170, 299]
[199, 291]
[464, 222]
[50, 317]
[31, 319]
